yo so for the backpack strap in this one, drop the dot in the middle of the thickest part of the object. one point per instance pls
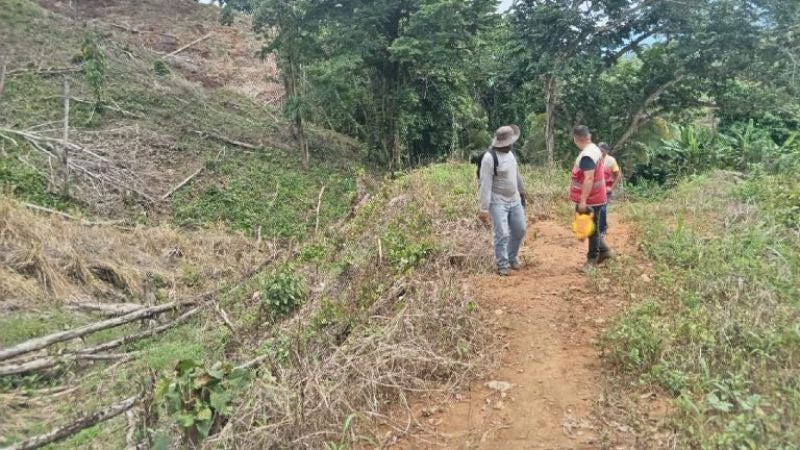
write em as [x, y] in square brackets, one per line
[496, 161]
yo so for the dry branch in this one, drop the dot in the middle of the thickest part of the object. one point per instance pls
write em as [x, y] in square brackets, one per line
[60, 433]
[144, 334]
[227, 140]
[67, 216]
[319, 204]
[196, 41]
[124, 28]
[46, 71]
[2, 79]
[46, 341]
[49, 362]
[105, 309]
[181, 184]
[65, 141]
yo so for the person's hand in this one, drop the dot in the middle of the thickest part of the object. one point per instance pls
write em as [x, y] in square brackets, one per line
[483, 216]
[582, 208]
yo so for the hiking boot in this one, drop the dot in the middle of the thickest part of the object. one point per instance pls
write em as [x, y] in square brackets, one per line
[502, 272]
[604, 256]
[516, 266]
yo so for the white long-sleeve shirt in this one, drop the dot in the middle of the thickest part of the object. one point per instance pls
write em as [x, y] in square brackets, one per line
[503, 188]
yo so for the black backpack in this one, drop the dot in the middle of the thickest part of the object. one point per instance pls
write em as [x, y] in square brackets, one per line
[478, 160]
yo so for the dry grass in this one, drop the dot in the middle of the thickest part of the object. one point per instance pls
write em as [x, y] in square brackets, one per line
[429, 340]
[49, 259]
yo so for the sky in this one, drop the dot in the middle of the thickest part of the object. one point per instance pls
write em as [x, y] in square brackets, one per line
[504, 4]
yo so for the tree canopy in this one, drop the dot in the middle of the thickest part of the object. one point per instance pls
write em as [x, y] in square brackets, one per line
[419, 80]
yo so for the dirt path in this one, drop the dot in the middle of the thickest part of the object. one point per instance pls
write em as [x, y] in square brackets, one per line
[551, 323]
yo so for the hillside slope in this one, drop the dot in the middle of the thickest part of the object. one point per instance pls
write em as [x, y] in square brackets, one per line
[157, 123]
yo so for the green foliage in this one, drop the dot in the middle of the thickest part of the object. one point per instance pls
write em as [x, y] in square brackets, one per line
[282, 291]
[636, 343]
[94, 65]
[342, 444]
[403, 253]
[161, 69]
[198, 398]
[778, 197]
[719, 330]
[267, 191]
[695, 150]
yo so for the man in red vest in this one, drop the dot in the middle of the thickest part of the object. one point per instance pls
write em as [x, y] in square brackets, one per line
[613, 176]
[588, 190]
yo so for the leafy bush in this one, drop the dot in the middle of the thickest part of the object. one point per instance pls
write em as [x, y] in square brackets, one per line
[741, 147]
[94, 64]
[283, 291]
[198, 398]
[161, 69]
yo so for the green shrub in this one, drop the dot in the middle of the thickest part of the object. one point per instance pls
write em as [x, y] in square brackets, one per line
[198, 397]
[161, 69]
[283, 291]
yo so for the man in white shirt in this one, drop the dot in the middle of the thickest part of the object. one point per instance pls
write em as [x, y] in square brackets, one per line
[501, 197]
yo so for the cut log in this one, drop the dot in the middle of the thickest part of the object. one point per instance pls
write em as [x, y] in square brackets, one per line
[48, 362]
[110, 310]
[46, 71]
[139, 336]
[206, 134]
[64, 432]
[181, 184]
[194, 42]
[67, 216]
[46, 341]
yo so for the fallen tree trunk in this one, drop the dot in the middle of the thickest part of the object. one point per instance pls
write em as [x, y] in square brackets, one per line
[110, 310]
[144, 334]
[48, 362]
[181, 184]
[207, 134]
[66, 431]
[84, 222]
[46, 341]
[196, 41]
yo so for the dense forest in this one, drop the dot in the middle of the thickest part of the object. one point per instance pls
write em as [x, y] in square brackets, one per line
[421, 81]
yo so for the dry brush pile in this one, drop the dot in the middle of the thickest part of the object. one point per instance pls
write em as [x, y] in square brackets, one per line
[48, 260]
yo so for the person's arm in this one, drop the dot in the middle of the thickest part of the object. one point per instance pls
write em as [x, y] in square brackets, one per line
[617, 177]
[586, 189]
[487, 177]
[521, 185]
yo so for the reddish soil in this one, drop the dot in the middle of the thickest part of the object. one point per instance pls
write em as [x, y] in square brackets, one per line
[550, 321]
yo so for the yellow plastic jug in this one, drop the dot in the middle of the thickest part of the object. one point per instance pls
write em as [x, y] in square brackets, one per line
[583, 225]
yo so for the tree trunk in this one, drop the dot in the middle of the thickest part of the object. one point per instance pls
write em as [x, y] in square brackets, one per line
[640, 117]
[45, 341]
[61, 433]
[551, 92]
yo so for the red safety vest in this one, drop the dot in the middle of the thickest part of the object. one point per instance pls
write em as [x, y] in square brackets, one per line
[598, 195]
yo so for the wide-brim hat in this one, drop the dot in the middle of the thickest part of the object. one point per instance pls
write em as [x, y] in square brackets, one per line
[506, 136]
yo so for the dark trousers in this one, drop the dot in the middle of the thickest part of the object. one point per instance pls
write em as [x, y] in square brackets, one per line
[597, 244]
[603, 217]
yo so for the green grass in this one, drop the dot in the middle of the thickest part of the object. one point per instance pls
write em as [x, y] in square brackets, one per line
[23, 326]
[269, 191]
[719, 327]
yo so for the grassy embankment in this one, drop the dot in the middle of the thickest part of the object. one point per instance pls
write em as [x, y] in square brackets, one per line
[717, 323]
